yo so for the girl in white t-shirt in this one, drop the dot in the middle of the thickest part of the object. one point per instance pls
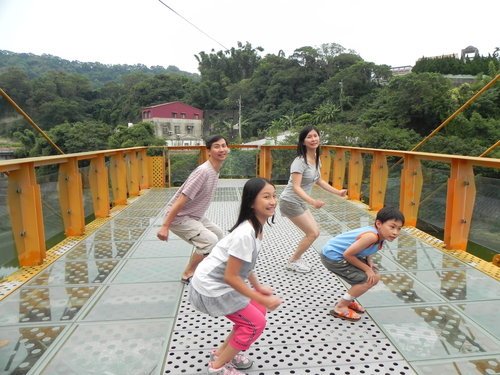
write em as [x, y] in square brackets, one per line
[219, 286]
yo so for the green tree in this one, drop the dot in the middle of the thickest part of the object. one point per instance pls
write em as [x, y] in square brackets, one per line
[386, 135]
[15, 82]
[221, 69]
[141, 134]
[69, 137]
[326, 113]
[28, 142]
[415, 101]
[60, 97]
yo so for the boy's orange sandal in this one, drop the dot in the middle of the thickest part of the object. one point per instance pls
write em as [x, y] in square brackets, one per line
[348, 315]
[356, 307]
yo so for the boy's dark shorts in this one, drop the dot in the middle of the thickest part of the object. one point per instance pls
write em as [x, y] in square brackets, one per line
[342, 268]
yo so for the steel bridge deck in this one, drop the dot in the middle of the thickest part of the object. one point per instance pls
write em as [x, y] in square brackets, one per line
[111, 303]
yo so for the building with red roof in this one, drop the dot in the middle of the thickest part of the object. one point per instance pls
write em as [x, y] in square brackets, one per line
[179, 123]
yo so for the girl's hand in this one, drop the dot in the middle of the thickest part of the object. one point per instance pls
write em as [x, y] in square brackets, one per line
[272, 302]
[318, 203]
[264, 289]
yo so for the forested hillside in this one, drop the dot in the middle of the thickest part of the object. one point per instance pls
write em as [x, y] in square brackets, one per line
[97, 73]
[86, 106]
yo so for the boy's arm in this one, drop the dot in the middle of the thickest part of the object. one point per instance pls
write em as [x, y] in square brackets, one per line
[369, 260]
[359, 245]
[172, 213]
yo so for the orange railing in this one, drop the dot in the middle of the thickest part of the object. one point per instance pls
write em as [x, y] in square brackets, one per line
[115, 175]
[460, 196]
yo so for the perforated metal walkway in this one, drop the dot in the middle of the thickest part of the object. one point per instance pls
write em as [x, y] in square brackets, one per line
[112, 304]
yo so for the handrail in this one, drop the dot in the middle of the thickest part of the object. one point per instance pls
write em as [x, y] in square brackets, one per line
[445, 158]
[130, 170]
[13, 164]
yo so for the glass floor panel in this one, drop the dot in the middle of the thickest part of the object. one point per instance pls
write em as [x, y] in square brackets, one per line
[484, 313]
[151, 270]
[421, 258]
[113, 304]
[158, 249]
[125, 348]
[22, 347]
[480, 366]
[99, 250]
[137, 301]
[397, 289]
[47, 305]
[431, 332]
[460, 285]
[75, 272]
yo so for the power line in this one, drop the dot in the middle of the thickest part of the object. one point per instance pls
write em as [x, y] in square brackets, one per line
[192, 24]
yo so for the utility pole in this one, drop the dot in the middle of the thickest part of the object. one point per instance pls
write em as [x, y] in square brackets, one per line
[239, 119]
[341, 84]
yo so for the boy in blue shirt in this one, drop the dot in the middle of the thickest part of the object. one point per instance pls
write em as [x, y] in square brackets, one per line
[349, 256]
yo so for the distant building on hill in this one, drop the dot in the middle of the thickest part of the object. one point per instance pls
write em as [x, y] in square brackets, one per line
[460, 79]
[6, 153]
[469, 53]
[179, 123]
[401, 70]
[443, 56]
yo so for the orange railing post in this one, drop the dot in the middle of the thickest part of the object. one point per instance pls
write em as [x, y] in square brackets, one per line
[339, 163]
[411, 189]
[118, 172]
[379, 173]
[460, 200]
[265, 162]
[144, 180]
[71, 198]
[203, 154]
[99, 186]
[326, 161]
[355, 175]
[25, 209]
[133, 175]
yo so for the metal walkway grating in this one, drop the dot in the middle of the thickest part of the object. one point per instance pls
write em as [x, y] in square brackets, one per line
[300, 338]
[113, 304]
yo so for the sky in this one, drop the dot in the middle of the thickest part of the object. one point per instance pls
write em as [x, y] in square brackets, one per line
[392, 32]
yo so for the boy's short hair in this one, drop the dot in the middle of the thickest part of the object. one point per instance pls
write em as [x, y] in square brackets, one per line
[390, 213]
[214, 138]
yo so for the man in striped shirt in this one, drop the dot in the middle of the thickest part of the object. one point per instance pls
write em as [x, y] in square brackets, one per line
[185, 215]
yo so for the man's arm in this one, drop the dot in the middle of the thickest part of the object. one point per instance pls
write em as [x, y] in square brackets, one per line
[179, 203]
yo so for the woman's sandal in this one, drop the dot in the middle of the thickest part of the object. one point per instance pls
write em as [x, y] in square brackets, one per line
[349, 315]
[354, 305]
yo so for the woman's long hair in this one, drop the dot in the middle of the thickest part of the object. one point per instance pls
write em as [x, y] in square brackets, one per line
[250, 191]
[301, 147]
